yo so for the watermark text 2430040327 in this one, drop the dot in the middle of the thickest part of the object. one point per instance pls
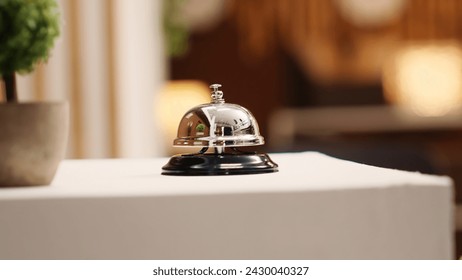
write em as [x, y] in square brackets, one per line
[261, 270]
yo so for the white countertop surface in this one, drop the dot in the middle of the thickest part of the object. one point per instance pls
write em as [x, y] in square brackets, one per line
[315, 207]
[298, 172]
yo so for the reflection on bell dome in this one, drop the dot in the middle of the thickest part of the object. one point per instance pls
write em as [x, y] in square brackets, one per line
[218, 124]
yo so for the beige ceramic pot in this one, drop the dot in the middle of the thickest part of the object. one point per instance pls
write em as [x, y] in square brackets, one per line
[33, 139]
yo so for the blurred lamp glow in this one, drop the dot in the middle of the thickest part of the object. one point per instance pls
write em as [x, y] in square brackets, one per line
[174, 100]
[425, 78]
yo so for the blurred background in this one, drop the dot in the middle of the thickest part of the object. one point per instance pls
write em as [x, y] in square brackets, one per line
[377, 82]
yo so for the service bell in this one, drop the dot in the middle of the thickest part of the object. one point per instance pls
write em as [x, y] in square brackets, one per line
[220, 128]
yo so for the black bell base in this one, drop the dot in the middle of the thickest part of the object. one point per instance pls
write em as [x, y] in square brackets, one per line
[219, 164]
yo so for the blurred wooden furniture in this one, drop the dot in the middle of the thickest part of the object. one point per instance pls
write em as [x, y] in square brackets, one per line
[342, 42]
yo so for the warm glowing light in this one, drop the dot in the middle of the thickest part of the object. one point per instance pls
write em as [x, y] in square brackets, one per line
[425, 78]
[367, 13]
[174, 100]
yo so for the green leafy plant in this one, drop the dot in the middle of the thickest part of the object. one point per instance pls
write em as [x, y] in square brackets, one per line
[175, 31]
[28, 29]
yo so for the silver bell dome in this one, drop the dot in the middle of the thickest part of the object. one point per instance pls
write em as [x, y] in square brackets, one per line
[218, 124]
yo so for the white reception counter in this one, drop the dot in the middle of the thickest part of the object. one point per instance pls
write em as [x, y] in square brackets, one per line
[316, 207]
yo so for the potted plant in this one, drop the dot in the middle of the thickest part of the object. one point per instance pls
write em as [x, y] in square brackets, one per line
[33, 136]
